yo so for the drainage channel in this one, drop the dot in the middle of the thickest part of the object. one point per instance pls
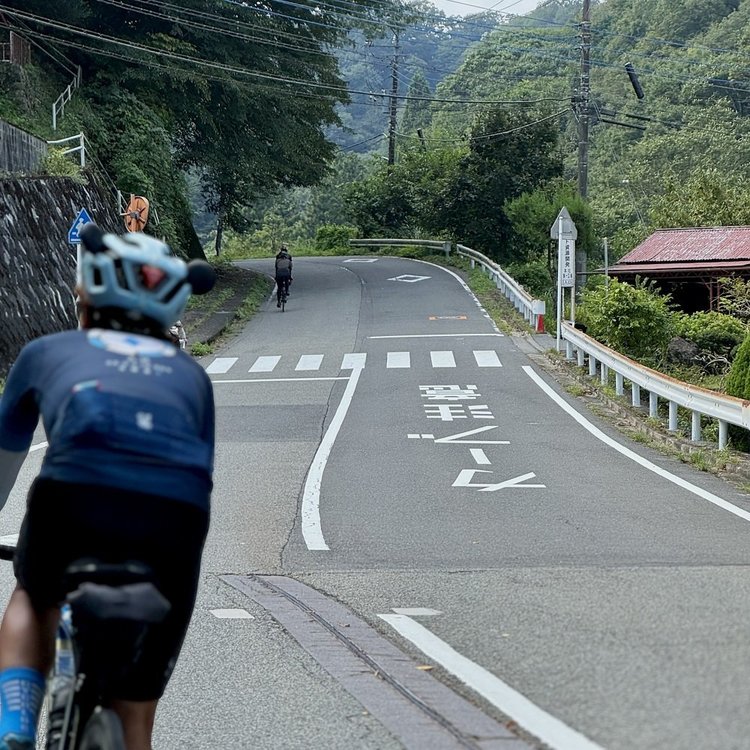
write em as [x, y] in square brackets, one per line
[413, 705]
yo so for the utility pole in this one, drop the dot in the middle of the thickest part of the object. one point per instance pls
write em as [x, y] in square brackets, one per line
[584, 100]
[394, 99]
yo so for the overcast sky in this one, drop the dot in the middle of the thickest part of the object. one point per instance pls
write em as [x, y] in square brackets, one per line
[466, 7]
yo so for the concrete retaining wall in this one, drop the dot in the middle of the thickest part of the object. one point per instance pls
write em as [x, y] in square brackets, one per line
[37, 265]
[20, 152]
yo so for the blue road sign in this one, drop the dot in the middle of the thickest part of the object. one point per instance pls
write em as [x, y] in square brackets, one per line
[74, 231]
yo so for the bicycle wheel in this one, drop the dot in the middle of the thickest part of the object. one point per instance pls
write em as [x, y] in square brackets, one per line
[103, 732]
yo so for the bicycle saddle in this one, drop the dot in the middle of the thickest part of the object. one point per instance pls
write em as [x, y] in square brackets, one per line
[139, 602]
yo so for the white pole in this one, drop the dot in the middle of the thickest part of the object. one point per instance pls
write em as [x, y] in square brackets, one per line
[559, 280]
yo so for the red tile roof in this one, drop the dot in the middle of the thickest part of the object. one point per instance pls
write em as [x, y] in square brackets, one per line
[691, 245]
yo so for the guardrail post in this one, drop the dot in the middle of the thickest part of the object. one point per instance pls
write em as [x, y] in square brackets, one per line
[592, 366]
[581, 355]
[568, 350]
[447, 249]
[604, 374]
[695, 427]
[472, 263]
[635, 394]
[672, 416]
[723, 434]
[653, 405]
[619, 387]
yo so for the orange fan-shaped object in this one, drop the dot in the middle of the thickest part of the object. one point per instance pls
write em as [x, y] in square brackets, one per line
[136, 214]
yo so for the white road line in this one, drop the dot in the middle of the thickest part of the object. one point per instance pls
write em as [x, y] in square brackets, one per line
[480, 456]
[434, 335]
[353, 360]
[221, 365]
[442, 359]
[487, 358]
[597, 433]
[264, 364]
[398, 359]
[311, 528]
[309, 362]
[231, 614]
[518, 707]
[38, 447]
[280, 380]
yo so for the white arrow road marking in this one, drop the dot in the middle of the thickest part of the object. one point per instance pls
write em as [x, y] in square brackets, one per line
[479, 456]
[546, 727]
[466, 475]
[311, 528]
[458, 437]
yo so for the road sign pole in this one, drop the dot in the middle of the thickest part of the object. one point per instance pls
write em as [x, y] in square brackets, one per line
[559, 281]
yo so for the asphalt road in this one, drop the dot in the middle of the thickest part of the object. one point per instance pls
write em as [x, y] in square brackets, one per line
[419, 540]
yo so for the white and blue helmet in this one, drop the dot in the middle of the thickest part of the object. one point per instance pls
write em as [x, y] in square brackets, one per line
[138, 274]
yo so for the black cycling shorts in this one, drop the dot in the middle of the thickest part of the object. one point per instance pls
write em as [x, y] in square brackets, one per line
[65, 522]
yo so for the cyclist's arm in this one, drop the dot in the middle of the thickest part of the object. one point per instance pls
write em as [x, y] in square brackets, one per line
[19, 415]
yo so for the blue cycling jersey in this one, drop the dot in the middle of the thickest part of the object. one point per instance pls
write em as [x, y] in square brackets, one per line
[119, 410]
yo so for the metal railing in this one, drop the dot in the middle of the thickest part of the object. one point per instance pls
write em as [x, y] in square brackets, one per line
[58, 108]
[531, 309]
[700, 401]
[79, 149]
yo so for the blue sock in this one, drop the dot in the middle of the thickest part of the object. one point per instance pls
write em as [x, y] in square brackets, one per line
[21, 696]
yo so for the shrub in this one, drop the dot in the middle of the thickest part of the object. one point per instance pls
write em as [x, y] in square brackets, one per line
[738, 384]
[712, 331]
[59, 164]
[636, 321]
[533, 276]
[334, 237]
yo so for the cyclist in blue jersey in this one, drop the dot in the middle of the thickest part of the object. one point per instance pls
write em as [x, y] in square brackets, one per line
[127, 474]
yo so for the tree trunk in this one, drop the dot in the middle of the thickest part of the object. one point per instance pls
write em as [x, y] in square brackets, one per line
[219, 232]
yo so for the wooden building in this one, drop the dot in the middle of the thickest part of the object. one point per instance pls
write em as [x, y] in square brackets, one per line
[688, 263]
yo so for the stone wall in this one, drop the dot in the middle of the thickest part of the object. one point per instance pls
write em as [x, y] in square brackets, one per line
[20, 151]
[37, 265]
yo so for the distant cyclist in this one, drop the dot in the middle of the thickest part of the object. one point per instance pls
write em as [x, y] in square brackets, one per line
[283, 273]
[127, 474]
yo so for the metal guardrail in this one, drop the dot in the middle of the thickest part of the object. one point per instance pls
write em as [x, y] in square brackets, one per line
[700, 401]
[58, 107]
[532, 309]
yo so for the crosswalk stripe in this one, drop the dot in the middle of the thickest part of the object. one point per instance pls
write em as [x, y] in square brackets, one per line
[398, 359]
[265, 364]
[309, 362]
[354, 360]
[221, 365]
[487, 358]
[442, 359]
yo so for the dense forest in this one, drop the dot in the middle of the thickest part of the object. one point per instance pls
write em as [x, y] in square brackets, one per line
[270, 120]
